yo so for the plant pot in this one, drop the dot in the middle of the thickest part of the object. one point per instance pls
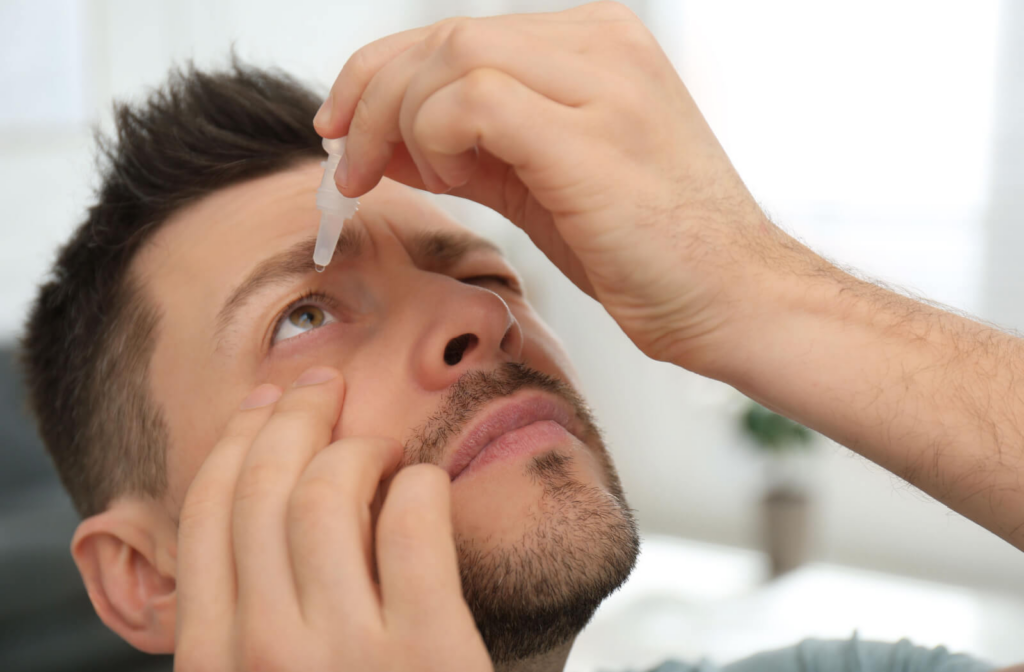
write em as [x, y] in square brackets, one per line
[785, 515]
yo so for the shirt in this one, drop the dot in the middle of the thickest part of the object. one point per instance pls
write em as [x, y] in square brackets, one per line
[852, 655]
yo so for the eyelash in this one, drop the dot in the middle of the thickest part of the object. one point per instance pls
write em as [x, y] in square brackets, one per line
[497, 278]
[309, 296]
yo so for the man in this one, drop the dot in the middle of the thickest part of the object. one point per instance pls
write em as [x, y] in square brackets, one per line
[386, 466]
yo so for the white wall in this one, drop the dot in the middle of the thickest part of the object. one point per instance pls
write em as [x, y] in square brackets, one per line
[1004, 233]
[867, 133]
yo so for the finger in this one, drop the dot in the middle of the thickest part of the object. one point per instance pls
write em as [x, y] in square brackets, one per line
[301, 425]
[491, 110]
[330, 529]
[332, 120]
[390, 101]
[403, 169]
[205, 570]
[546, 57]
[514, 125]
[374, 132]
[419, 574]
[539, 62]
[493, 187]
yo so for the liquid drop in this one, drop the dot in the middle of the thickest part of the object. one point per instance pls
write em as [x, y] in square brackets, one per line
[319, 268]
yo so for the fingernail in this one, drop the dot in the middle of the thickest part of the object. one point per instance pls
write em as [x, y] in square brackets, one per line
[341, 176]
[316, 375]
[263, 395]
[323, 115]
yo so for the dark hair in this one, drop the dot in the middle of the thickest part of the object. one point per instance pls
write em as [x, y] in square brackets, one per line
[90, 334]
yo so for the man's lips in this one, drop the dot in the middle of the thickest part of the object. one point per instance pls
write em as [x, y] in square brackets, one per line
[508, 415]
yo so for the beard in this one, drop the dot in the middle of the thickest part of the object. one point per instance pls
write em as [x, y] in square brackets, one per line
[538, 593]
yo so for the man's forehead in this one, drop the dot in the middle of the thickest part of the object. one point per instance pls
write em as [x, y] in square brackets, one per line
[222, 238]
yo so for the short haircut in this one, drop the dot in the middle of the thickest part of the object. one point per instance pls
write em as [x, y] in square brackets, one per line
[90, 334]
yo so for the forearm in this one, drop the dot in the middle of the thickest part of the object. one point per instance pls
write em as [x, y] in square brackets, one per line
[931, 396]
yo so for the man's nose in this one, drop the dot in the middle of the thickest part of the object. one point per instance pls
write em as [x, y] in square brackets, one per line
[471, 328]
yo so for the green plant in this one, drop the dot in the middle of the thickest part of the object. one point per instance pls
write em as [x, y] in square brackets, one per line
[772, 432]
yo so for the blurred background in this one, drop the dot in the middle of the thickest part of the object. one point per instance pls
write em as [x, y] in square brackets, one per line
[887, 136]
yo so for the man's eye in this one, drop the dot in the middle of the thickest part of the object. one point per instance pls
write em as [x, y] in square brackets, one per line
[299, 320]
[485, 279]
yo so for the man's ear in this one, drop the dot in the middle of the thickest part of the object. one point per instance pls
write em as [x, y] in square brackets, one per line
[126, 556]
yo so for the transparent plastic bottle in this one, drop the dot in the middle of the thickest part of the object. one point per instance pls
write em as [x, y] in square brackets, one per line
[334, 208]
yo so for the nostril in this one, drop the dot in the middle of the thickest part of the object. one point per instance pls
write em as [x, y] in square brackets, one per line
[458, 347]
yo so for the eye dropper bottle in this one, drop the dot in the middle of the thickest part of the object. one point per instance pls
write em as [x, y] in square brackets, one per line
[334, 208]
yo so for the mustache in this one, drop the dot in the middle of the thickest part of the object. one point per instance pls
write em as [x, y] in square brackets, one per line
[474, 390]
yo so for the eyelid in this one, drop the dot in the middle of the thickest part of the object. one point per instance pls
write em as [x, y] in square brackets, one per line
[505, 280]
[310, 296]
[480, 264]
[510, 280]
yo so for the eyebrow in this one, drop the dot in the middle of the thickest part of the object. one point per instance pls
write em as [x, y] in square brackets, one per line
[435, 251]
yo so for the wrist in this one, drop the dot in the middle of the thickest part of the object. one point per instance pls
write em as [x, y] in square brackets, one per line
[779, 297]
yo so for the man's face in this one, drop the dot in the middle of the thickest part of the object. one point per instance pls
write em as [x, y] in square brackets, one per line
[427, 324]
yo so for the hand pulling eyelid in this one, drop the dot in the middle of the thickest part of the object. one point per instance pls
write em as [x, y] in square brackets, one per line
[334, 208]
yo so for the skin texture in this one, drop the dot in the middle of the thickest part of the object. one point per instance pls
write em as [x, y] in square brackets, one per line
[577, 129]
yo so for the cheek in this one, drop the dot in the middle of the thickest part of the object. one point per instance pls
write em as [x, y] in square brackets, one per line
[195, 406]
[190, 443]
[543, 351]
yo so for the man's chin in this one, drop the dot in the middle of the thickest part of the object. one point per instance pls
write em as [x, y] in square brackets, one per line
[537, 561]
[498, 505]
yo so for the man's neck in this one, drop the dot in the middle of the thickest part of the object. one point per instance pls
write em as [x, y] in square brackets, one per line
[552, 661]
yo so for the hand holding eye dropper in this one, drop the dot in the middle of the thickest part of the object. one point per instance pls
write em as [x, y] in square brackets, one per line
[334, 207]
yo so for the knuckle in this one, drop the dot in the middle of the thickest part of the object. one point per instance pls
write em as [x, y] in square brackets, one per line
[437, 37]
[465, 42]
[360, 64]
[632, 39]
[362, 119]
